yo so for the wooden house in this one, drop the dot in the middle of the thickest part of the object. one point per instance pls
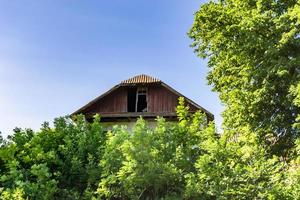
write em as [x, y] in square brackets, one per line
[141, 95]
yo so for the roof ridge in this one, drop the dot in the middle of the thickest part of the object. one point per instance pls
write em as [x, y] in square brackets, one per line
[142, 78]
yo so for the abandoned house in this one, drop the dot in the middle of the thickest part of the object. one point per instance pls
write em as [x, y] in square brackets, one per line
[141, 95]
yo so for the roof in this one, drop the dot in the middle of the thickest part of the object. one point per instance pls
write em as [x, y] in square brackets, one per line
[144, 79]
[141, 79]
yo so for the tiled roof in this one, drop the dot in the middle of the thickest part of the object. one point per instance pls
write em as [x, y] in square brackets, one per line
[141, 79]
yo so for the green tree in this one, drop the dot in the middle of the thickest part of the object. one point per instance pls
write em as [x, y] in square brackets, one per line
[173, 160]
[292, 175]
[53, 163]
[253, 51]
[236, 167]
[152, 162]
[295, 90]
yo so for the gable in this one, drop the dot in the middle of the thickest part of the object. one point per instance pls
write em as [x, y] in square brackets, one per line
[113, 102]
[161, 101]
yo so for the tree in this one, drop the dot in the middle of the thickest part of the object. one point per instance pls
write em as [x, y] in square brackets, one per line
[174, 160]
[236, 167]
[188, 160]
[53, 163]
[253, 51]
[153, 163]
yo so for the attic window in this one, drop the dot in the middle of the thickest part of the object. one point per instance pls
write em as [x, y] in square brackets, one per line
[137, 100]
[141, 100]
[131, 99]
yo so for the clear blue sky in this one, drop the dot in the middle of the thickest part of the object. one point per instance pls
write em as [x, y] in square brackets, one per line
[56, 55]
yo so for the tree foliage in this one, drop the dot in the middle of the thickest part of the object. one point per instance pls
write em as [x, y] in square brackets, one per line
[152, 163]
[54, 163]
[253, 50]
[173, 160]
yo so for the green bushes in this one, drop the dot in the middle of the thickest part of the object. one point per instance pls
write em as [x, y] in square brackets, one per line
[151, 163]
[252, 49]
[184, 160]
[54, 163]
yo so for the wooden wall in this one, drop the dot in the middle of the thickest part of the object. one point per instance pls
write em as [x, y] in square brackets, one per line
[115, 102]
[159, 99]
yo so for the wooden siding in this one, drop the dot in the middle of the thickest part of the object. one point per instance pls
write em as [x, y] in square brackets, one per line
[115, 102]
[160, 99]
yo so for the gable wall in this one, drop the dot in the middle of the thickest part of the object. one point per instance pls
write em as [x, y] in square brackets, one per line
[115, 102]
[160, 99]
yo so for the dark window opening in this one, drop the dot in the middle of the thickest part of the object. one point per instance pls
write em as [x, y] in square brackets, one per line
[141, 103]
[131, 99]
[137, 100]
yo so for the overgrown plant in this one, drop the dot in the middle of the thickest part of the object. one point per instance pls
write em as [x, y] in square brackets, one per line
[54, 163]
[254, 57]
[153, 163]
[175, 160]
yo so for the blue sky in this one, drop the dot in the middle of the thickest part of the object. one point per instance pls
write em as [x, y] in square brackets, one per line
[56, 55]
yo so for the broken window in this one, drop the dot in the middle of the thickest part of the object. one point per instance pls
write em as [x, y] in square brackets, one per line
[141, 100]
[137, 100]
[131, 99]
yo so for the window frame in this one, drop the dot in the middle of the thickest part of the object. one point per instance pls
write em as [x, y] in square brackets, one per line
[139, 92]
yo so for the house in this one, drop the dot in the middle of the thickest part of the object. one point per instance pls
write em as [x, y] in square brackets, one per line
[141, 95]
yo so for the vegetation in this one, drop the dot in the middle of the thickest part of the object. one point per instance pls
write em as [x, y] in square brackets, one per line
[54, 163]
[252, 46]
[184, 160]
[253, 50]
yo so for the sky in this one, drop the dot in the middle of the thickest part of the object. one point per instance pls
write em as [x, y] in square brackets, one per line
[57, 55]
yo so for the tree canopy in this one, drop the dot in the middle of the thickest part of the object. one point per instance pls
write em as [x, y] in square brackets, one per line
[174, 160]
[253, 51]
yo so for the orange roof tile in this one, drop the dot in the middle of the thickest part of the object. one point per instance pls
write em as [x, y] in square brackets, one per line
[141, 79]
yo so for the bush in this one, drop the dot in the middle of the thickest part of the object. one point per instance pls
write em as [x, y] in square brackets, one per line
[175, 160]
